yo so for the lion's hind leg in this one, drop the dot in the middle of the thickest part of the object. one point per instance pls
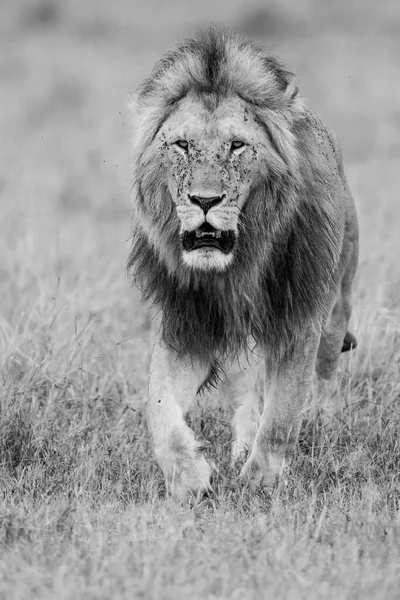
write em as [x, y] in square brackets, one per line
[349, 342]
[332, 342]
[335, 337]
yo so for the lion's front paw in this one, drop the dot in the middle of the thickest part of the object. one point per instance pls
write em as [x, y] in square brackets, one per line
[262, 471]
[192, 476]
[185, 468]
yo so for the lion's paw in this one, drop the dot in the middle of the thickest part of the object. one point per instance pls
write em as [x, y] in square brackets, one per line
[185, 469]
[262, 472]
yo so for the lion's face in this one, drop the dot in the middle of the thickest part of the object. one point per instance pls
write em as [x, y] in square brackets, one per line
[211, 155]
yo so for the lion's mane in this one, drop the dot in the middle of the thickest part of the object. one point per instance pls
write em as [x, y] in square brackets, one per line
[288, 248]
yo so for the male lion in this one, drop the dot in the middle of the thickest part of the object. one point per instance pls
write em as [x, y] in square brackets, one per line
[245, 239]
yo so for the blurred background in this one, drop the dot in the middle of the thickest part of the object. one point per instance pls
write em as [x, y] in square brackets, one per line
[66, 69]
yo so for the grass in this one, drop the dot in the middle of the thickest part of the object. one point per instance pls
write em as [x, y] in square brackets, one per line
[83, 512]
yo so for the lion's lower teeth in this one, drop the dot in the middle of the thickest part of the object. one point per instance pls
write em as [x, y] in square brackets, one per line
[214, 234]
[205, 234]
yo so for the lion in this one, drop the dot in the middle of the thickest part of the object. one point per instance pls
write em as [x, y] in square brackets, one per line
[245, 241]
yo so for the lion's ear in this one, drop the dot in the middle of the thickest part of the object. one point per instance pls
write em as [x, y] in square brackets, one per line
[294, 92]
[293, 98]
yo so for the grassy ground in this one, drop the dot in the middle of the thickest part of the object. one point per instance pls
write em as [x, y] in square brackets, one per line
[83, 512]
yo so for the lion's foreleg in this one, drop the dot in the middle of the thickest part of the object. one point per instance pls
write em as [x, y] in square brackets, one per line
[242, 389]
[286, 389]
[173, 385]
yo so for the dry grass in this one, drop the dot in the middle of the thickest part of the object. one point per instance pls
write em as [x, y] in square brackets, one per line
[83, 512]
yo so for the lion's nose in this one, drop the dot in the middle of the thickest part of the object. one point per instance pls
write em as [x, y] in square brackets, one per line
[206, 203]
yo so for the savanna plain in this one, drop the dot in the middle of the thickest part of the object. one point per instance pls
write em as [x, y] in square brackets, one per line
[83, 509]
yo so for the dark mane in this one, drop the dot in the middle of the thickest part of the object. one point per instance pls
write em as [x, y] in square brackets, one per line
[289, 250]
[204, 65]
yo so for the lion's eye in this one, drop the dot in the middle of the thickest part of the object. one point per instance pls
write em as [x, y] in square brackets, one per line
[237, 145]
[183, 144]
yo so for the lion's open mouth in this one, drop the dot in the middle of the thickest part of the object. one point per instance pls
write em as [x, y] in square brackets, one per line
[206, 236]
